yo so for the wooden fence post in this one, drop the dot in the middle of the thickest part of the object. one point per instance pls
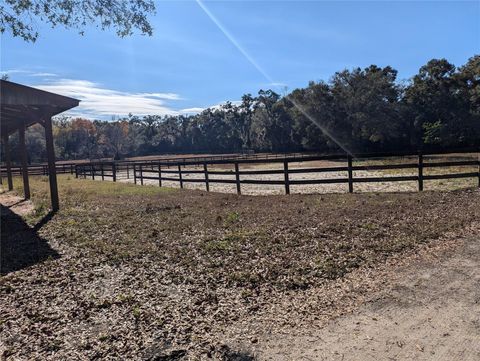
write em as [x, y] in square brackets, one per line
[205, 171]
[350, 173]
[135, 173]
[141, 175]
[287, 179]
[92, 168]
[76, 171]
[479, 171]
[24, 161]
[102, 172]
[420, 172]
[128, 172]
[180, 175]
[114, 171]
[237, 178]
[159, 175]
[8, 162]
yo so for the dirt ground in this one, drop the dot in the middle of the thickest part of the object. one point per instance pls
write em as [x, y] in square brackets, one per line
[431, 311]
[149, 273]
[16, 204]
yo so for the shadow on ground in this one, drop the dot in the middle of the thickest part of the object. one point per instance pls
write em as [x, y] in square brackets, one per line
[20, 244]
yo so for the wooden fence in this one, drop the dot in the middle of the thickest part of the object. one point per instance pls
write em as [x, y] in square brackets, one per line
[176, 171]
[41, 169]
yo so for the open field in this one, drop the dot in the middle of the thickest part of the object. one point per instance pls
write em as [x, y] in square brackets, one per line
[151, 273]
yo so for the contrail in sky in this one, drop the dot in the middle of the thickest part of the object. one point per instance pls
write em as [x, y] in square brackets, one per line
[252, 61]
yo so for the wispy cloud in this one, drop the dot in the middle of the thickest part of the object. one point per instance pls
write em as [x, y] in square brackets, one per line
[44, 75]
[196, 110]
[193, 110]
[15, 71]
[102, 102]
[277, 84]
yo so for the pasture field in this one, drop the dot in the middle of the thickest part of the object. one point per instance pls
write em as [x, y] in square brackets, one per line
[150, 273]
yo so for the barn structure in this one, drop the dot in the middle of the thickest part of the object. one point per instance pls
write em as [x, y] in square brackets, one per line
[21, 107]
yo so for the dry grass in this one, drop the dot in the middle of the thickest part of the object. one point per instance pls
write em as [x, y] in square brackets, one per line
[146, 269]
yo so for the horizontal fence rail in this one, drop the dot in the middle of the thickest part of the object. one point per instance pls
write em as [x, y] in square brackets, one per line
[41, 169]
[174, 170]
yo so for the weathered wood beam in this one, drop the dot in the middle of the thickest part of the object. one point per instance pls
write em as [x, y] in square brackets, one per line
[52, 172]
[24, 161]
[8, 162]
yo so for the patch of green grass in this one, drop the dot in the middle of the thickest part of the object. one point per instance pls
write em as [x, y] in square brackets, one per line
[229, 242]
[103, 337]
[136, 312]
[369, 226]
[218, 245]
[232, 218]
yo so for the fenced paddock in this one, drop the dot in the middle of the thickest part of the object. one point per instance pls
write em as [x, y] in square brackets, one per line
[297, 173]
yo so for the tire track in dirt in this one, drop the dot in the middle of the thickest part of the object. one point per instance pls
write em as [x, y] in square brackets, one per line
[431, 312]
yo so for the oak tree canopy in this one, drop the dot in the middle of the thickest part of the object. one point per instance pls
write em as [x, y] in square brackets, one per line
[22, 17]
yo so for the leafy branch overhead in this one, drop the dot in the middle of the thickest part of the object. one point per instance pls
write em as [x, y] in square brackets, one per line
[22, 17]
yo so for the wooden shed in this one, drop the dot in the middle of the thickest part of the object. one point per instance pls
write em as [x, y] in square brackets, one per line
[21, 107]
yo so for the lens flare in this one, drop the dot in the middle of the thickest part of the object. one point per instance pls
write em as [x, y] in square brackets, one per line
[252, 61]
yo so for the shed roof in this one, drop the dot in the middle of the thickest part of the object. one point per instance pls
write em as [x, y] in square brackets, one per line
[21, 104]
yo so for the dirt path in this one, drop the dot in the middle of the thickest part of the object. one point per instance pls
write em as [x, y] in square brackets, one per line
[431, 312]
[16, 204]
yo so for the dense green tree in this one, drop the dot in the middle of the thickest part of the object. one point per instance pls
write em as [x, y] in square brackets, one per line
[366, 111]
[362, 110]
[440, 106]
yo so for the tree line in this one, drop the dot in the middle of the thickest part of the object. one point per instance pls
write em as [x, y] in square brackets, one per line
[361, 110]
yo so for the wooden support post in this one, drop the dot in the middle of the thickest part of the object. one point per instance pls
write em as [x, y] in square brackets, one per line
[135, 173]
[237, 178]
[205, 171]
[24, 161]
[8, 162]
[92, 170]
[114, 171]
[128, 171]
[479, 171]
[52, 172]
[76, 171]
[287, 180]
[159, 175]
[350, 173]
[180, 176]
[141, 175]
[102, 171]
[420, 172]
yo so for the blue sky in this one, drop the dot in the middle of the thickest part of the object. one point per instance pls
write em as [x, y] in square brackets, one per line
[190, 63]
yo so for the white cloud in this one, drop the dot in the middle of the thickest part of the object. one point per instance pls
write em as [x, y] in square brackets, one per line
[193, 110]
[15, 71]
[45, 75]
[277, 84]
[101, 102]
[196, 110]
